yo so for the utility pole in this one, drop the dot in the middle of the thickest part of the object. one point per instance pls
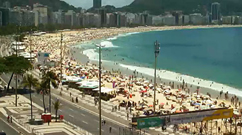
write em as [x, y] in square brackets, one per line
[61, 57]
[16, 49]
[100, 85]
[157, 51]
[30, 48]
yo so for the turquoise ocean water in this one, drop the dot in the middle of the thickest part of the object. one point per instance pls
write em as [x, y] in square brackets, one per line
[213, 54]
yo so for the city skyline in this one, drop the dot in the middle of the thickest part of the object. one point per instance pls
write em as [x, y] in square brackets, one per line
[89, 3]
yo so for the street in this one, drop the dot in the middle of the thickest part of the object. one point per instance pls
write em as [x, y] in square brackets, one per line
[79, 117]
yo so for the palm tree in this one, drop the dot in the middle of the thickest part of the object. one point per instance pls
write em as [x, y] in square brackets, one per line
[30, 82]
[57, 107]
[49, 79]
[43, 87]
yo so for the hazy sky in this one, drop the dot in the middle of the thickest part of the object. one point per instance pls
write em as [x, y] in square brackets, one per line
[88, 3]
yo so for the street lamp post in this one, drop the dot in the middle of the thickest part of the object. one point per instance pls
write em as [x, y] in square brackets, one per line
[157, 51]
[100, 72]
[61, 56]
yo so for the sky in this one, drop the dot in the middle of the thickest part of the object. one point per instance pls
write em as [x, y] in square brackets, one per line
[88, 3]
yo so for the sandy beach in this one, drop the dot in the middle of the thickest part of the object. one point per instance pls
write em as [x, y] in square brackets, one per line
[173, 96]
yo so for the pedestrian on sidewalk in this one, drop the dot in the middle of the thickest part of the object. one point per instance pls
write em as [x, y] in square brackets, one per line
[11, 119]
[76, 99]
[8, 118]
[70, 94]
[110, 129]
[127, 116]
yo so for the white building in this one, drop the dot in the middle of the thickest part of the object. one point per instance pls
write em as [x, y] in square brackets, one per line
[91, 20]
[169, 20]
[111, 20]
[21, 17]
[59, 17]
[197, 19]
[157, 20]
[227, 19]
[240, 20]
[138, 19]
[96, 20]
[186, 19]
[43, 14]
[70, 18]
[130, 18]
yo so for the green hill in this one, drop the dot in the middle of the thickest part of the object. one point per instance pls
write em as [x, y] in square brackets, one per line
[53, 4]
[228, 7]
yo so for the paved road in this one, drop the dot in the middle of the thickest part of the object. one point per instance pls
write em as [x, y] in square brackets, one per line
[80, 117]
[7, 128]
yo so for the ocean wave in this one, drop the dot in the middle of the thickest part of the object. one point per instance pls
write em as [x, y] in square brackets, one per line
[107, 44]
[122, 35]
[112, 38]
[91, 54]
[168, 75]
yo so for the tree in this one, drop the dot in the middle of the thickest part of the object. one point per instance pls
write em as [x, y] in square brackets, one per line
[30, 82]
[57, 107]
[43, 87]
[19, 38]
[3, 67]
[17, 65]
[49, 79]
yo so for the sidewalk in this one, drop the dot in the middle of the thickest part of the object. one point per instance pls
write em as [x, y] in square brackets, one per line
[21, 115]
[15, 125]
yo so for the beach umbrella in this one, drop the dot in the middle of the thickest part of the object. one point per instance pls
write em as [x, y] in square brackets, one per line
[209, 101]
[213, 106]
[143, 91]
[177, 111]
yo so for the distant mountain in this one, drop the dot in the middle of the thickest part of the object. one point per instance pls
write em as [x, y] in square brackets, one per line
[187, 6]
[55, 5]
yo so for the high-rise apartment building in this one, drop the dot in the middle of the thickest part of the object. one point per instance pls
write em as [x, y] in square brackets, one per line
[97, 3]
[1, 18]
[43, 14]
[215, 10]
[5, 16]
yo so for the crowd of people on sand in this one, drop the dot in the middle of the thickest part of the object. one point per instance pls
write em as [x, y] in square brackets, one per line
[132, 92]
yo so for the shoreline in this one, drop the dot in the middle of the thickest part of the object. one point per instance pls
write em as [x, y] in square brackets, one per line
[213, 91]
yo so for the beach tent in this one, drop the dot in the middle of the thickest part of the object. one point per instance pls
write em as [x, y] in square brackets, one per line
[73, 79]
[89, 84]
[18, 47]
[17, 43]
[87, 87]
[104, 90]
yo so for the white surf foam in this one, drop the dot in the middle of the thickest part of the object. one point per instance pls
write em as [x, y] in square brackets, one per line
[122, 35]
[112, 38]
[91, 54]
[168, 75]
[107, 44]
